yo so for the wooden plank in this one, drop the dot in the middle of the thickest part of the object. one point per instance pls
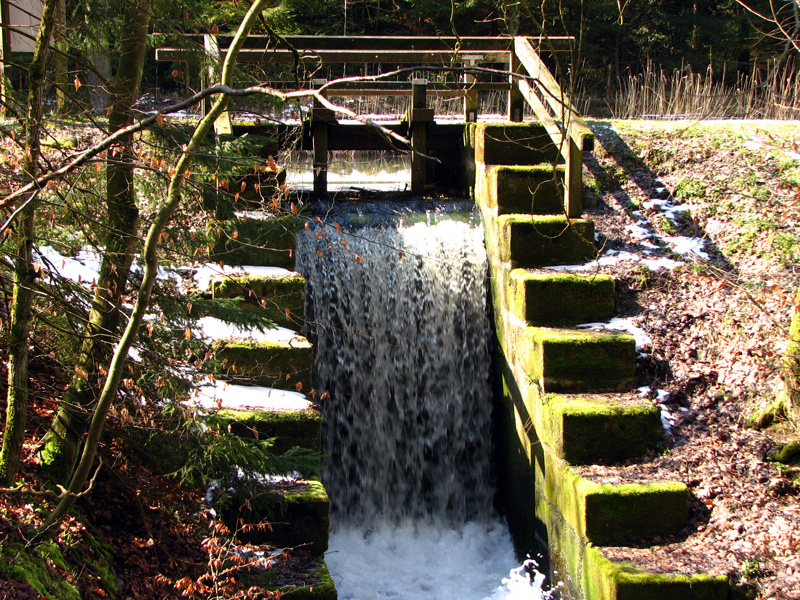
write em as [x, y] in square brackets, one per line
[543, 115]
[552, 93]
[573, 181]
[393, 57]
[419, 139]
[468, 44]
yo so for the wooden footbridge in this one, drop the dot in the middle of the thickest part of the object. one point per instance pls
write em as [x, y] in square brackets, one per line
[468, 65]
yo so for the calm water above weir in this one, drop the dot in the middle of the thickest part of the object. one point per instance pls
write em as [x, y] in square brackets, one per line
[401, 333]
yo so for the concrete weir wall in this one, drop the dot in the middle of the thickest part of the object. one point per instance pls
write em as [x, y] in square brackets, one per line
[565, 393]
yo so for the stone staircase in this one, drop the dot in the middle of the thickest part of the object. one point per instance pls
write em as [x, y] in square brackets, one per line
[566, 391]
[296, 508]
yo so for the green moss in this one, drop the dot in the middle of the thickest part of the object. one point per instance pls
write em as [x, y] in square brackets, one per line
[540, 241]
[632, 512]
[537, 189]
[571, 360]
[301, 428]
[298, 515]
[275, 294]
[281, 365]
[256, 242]
[560, 298]
[603, 579]
[514, 144]
[40, 569]
[585, 430]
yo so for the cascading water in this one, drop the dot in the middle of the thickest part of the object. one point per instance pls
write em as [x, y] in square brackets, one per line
[399, 320]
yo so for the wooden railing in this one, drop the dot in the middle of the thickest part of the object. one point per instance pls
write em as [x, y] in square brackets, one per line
[529, 81]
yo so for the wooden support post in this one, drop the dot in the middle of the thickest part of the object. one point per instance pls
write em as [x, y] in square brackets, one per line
[319, 132]
[516, 101]
[471, 96]
[420, 115]
[573, 178]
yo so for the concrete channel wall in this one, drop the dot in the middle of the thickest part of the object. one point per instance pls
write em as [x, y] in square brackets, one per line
[565, 393]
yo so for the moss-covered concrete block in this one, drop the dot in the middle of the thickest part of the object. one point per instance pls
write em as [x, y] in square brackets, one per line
[560, 298]
[514, 144]
[283, 297]
[537, 189]
[281, 365]
[269, 242]
[541, 241]
[603, 579]
[586, 429]
[616, 514]
[297, 513]
[301, 428]
[574, 361]
[310, 582]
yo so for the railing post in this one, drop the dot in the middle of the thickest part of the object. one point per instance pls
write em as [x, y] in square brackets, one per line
[213, 54]
[421, 115]
[320, 118]
[516, 101]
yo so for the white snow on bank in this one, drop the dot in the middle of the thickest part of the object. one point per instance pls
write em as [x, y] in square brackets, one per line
[205, 272]
[668, 419]
[216, 329]
[223, 395]
[687, 246]
[409, 562]
[643, 340]
[82, 268]
[613, 257]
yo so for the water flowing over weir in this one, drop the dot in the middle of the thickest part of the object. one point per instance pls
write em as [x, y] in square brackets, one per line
[397, 307]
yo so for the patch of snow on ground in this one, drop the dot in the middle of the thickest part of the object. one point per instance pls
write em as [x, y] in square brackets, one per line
[628, 326]
[612, 257]
[687, 246]
[215, 329]
[81, 269]
[223, 395]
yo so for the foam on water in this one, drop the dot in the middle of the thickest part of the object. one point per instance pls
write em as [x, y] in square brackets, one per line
[401, 331]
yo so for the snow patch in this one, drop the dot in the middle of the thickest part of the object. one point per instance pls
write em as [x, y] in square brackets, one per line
[628, 326]
[223, 395]
[215, 329]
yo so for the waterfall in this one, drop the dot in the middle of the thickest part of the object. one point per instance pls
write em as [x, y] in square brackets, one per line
[397, 311]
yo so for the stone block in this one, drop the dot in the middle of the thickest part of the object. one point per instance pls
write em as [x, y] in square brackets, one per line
[541, 241]
[514, 144]
[281, 365]
[574, 361]
[560, 298]
[537, 189]
[283, 297]
[291, 428]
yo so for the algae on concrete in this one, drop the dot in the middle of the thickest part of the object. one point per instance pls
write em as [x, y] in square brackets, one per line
[289, 429]
[541, 241]
[282, 297]
[258, 242]
[535, 189]
[281, 365]
[514, 144]
[552, 299]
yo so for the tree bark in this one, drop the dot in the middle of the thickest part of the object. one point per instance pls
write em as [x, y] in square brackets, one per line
[62, 443]
[24, 274]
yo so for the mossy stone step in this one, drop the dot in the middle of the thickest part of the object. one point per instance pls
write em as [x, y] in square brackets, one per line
[513, 144]
[283, 297]
[258, 242]
[542, 241]
[574, 361]
[607, 513]
[536, 189]
[281, 365]
[553, 298]
[289, 428]
[603, 579]
[297, 513]
[585, 429]
[318, 581]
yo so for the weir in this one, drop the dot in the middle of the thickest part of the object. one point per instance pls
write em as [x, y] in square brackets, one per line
[397, 318]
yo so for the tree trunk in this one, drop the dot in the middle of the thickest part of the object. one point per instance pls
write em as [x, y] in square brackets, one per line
[24, 274]
[150, 256]
[62, 443]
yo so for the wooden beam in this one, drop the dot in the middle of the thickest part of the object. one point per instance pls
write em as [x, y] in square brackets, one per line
[6, 89]
[552, 93]
[419, 140]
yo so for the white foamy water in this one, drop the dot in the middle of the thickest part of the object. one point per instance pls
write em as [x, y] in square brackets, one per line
[411, 562]
[401, 334]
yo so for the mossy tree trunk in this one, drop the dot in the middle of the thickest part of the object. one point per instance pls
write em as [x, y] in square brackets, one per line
[24, 273]
[62, 443]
